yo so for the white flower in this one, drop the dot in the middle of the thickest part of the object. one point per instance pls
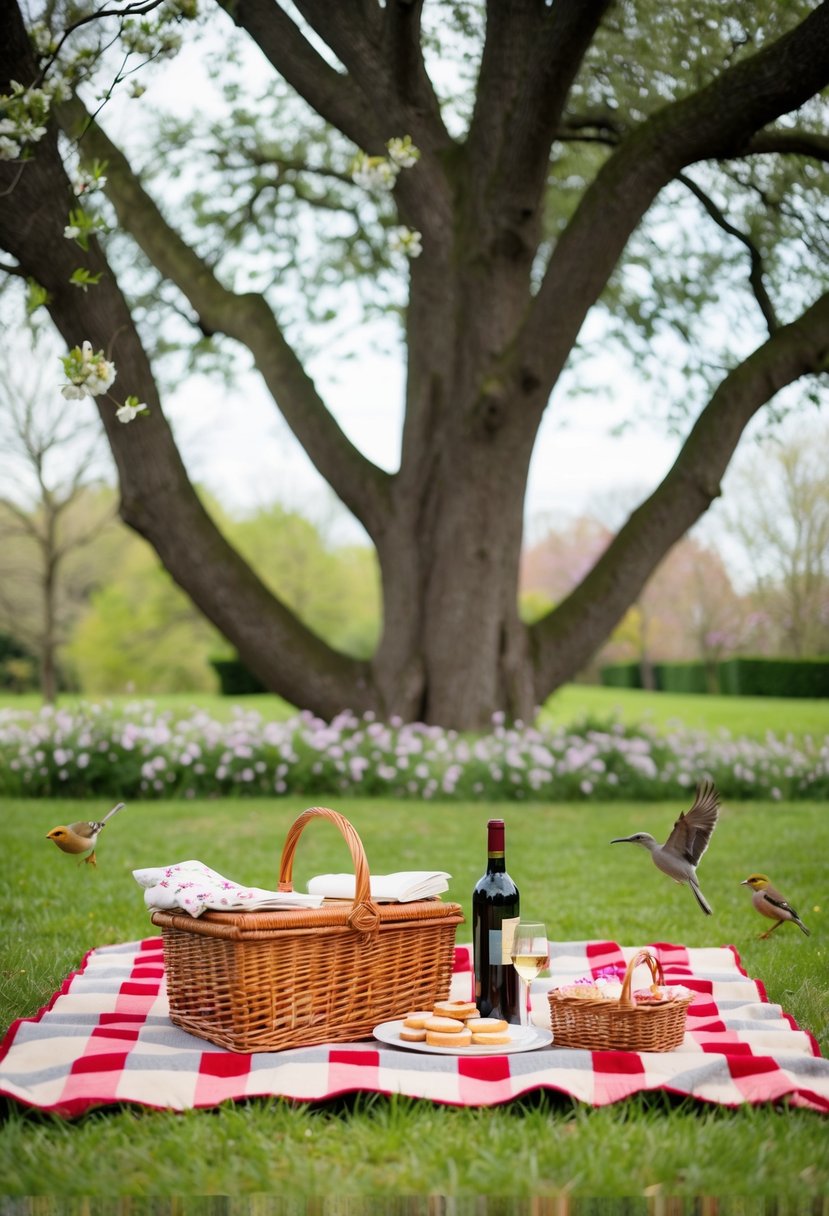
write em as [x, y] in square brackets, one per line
[403, 152]
[406, 240]
[28, 130]
[42, 39]
[126, 413]
[71, 231]
[99, 380]
[85, 182]
[89, 374]
[373, 172]
[9, 149]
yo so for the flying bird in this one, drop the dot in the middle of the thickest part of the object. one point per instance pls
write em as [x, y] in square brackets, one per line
[81, 837]
[679, 856]
[769, 902]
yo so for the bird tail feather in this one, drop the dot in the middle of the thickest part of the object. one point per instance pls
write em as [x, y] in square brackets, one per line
[700, 898]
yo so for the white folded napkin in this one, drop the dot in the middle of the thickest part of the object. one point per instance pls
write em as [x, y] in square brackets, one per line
[194, 887]
[401, 887]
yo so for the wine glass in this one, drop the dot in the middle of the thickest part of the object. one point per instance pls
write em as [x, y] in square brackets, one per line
[530, 955]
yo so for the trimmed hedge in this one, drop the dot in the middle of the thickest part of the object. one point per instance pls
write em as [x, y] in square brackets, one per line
[775, 677]
[681, 677]
[743, 677]
[235, 680]
[622, 675]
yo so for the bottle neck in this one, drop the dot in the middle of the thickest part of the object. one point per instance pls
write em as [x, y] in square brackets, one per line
[496, 862]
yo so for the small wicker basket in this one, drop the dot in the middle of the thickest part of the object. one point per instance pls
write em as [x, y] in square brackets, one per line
[265, 981]
[598, 1024]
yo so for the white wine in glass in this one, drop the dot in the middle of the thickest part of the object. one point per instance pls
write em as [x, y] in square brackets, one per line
[530, 955]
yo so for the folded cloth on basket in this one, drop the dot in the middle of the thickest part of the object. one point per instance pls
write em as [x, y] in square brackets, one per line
[194, 887]
[401, 887]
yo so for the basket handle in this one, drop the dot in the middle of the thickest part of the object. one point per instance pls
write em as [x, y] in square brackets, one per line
[657, 976]
[365, 915]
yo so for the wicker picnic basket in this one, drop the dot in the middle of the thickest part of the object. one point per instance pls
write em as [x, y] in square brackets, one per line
[265, 981]
[598, 1024]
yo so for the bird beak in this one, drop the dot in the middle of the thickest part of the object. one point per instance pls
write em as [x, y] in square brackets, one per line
[622, 840]
[745, 883]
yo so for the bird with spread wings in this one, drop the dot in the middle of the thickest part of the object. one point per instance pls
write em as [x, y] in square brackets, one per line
[690, 836]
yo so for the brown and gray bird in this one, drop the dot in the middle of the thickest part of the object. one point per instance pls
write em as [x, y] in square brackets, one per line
[769, 902]
[679, 856]
[81, 837]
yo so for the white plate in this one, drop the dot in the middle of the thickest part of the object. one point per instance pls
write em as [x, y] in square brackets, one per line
[524, 1038]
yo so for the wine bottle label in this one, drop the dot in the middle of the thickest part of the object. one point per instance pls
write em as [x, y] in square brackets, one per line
[507, 936]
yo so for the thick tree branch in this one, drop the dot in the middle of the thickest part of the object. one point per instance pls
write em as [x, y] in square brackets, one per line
[717, 122]
[528, 65]
[790, 141]
[328, 91]
[565, 639]
[360, 484]
[382, 55]
[408, 74]
[755, 276]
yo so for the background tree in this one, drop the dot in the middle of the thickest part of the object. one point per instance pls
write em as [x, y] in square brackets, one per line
[688, 609]
[780, 516]
[141, 633]
[661, 169]
[52, 506]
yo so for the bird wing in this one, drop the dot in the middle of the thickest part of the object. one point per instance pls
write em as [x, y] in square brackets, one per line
[692, 831]
[85, 830]
[777, 901]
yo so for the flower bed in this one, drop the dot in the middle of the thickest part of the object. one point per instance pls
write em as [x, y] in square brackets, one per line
[140, 752]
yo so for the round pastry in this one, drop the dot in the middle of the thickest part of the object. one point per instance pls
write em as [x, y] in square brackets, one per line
[444, 1025]
[458, 1038]
[418, 1019]
[456, 1009]
[411, 1034]
[492, 1039]
[487, 1025]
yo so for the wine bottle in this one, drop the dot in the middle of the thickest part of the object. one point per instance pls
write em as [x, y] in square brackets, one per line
[494, 917]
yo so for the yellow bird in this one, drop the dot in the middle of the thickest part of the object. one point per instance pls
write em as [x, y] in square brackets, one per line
[769, 902]
[81, 837]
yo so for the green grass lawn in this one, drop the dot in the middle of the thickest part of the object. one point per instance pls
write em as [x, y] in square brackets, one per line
[568, 874]
[751, 716]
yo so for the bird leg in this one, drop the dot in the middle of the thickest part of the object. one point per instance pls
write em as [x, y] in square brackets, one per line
[90, 860]
[762, 936]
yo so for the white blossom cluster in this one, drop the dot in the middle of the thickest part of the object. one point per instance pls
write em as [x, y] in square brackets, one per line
[379, 174]
[24, 113]
[89, 374]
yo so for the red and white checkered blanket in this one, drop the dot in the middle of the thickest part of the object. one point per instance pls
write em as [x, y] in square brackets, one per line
[105, 1038]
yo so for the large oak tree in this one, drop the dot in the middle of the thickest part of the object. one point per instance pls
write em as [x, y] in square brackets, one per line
[586, 118]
